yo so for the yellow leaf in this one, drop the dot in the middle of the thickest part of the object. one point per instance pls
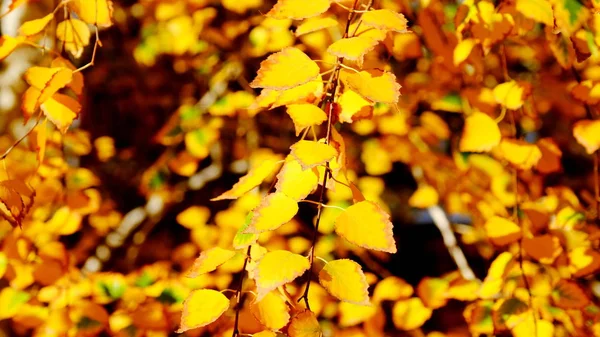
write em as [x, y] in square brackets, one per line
[509, 94]
[209, 260]
[241, 240]
[314, 24]
[587, 133]
[410, 314]
[272, 311]
[48, 81]
[193, 217]
[286, 69]
[392, 288]
[385, 19]
[493, 282]
[481, 133]
[352, 48]
[61, 110]
[75, 34]
[531, 325]
[502, 231]
[94, 12]
[265, 333]
[34, 27]
[424, 197]
[275, 210]
[305, 324]
[365, 224]
[353, 105]
[344, 279]
[311, 154]
[277, 268]
[377, 86]
[538, 10]
[11, 301]
[246, 183]
[519, 153]
[433, 291]
[8, 45]
[294, 181]
[584, 261]
[463, 50]
[201, 308]
[305, 115]
[353, 314]
[298, 9]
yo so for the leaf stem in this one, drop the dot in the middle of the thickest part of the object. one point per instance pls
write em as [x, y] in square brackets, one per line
[238, 295]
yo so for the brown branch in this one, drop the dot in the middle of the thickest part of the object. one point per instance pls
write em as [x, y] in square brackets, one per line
[238, 295]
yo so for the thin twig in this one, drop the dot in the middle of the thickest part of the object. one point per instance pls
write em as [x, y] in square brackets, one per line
[238, 295]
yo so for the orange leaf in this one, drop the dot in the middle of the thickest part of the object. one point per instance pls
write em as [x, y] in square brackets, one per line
[569, 295]
[544, 248]
[61, 110]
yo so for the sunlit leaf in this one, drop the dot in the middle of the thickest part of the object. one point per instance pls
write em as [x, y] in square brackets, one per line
[272, 311]
[201, 308]
[345, 280]
[538, 10]
[277, 268]
[305, 324]
[209, 260]
[275, 210]
[246, 183]
[305, 115]
[294, 181]
[463, 50]
[587, 133]
[481, 134]
[502, 231]
[410, 314]
[510, 94]
[286, 69]
[365, 224]
[352, 48]
[425, 196]
[385, 19]
[315, 24]
[298, 9]
[377, 86]
[94, 12]
[36, 26]
[311, 154]
[519, 153]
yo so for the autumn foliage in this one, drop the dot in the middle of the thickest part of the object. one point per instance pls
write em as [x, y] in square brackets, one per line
[266, 198]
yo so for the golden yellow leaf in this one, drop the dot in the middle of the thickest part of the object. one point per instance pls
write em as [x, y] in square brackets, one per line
[305, 115]
[277, 268]
[392, 288]
[201, 308]
[353, 106]
[75, 34]
[198, 141]
[492, 284]
[377, 86]
[584, 261]
[11, 301]
[265, 333]
[352, 48]
[209, 260]
[47, 81]
[305, 324]
[193, 217]
[385, 19]
[533, 327]
[272, 311]
[294, 181]
[587, 133]
[410, 314]
[365, 224]
[509, 94]
[481, 133]
[538, 10]
[353, 314]
[8, 45]
[424, 197]
[36, 26]
[94, 12]
[61, 110]
[311, 154]
[463, 50]
[286, 69]
[246, 183]
[433, 291]
[275, 210]
[315, 24]
[298, 9]
[344, 279]
[519, 153]
[502, 231]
